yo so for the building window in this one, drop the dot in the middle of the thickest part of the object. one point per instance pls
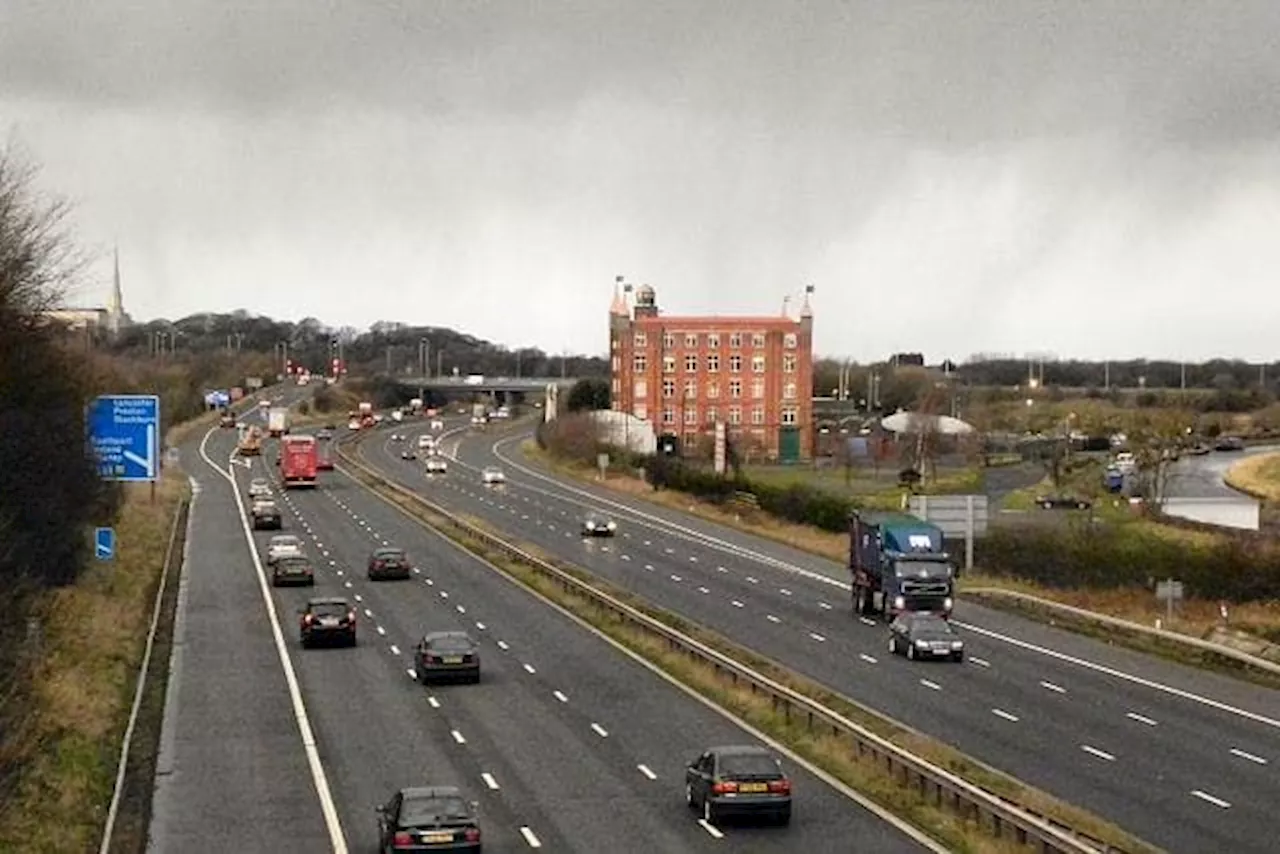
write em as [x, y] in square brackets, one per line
[735, 340]
[712, 415]
[789, 415]
[668, 340]
[668, 415]
[613, 343]
[789, 341]
[757, 340]
[690, 441]
[640, 340]
[640, 388]
[757, 389]
[735, 388]
[668, 388]
[691, 340]
[640, 363]
[789, 391]
[690, 389]
[735, 364]
[691, 415]
[789, 363]
[713, 389]
[713, 363]
[757, 415]
[617, 364]
[691, 363]
[757, 364]
[640, 411]
[617, 388]
[713, 340]
[735, 414]
[668, 364]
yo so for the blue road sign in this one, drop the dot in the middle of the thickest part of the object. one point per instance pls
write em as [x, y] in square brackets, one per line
[125, 432]
[104, 543]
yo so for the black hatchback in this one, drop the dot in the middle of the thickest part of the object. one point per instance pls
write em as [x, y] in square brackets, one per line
[738, 781]
[328, 620]
[428, 818]
[447, 655]
[388, 563]
[925, 635]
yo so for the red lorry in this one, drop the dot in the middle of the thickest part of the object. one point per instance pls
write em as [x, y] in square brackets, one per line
[298, 461]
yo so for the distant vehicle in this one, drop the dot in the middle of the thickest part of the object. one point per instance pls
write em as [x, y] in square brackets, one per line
[426, 441]
[1198, 449]
[478, 420]
[437, 424]
[898, 563]
[278, 421]
[353, 424]
[291, 571]
[408, 454]
[447, 655]
[250, 444]
[298, 461]
[227, 421]
[1125, 461]
[388, 563]
[738, 781]
[281, 546]
[492, 476]
[503, 412]
[325, 435]
[428, 818]
[396, 437]
[437, 465]
[397, 415]
[324, 456]
[1113, 479]
[925, 636]
[598, 526]
[331, 427]
[328, 620]
[266, 516]
[259, 487]
[1065, 502]
[1229, 443]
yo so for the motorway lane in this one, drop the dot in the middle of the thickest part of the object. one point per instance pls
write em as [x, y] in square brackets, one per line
[597, 741]
[1014, 713]
[231, 773]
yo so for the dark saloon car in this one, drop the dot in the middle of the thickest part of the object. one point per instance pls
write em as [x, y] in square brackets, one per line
[388, 563]
[293, 572]
[920, 635]
[447, 655]
[408, 453]
[1064, 502]
[1229, 443]
[738, 781]
[266, 516]
[597, 525]
[330, 620]
[428, 818]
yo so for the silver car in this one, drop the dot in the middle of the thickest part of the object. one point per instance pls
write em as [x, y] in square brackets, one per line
[491, 476]
[259, 487]
[283, 545]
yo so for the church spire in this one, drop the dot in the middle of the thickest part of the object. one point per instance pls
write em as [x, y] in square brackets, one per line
[115, 305]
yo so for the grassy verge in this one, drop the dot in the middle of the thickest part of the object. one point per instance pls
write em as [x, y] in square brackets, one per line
[1195, 617]
[1258, 476]
[835, 755]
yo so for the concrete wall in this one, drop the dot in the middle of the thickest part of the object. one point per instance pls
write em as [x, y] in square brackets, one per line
[1226, 512]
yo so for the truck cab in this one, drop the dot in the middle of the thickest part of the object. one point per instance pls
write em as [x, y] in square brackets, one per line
[899, 564]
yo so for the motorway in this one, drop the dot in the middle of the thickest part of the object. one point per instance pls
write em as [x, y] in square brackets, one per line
[1179, 756]
[567, 744]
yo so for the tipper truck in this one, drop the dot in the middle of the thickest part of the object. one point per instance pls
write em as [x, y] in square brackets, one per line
[277, 421]
[898, 564]
[298, 461]
[250, 444]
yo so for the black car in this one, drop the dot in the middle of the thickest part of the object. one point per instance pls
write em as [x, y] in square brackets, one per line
[408, 454]
[388, 563]
[1063, 502]
[428, 818]
[293, 572]
[596, 525]
[266, 516]
[738, 781]
[1229, 443]
[921, 635]
[447, 655]
[328, 620]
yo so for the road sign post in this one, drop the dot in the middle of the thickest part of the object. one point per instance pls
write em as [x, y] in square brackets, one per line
[124, 430]
[1168, 591]
[104, 543]
[957, 515]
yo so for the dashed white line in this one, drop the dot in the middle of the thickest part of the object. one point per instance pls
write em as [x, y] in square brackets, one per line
[395, 650]
[529, 668]
[444, 594]
[381, 631]
[721, 569]
[710, 828]
[461, 610]
[368, 613]
[1205, 796]
[784, 591]
[824, 606]
[1142, 719]
[1001, 713]
[735, 603]
[559, 695]
[489, 781]
[1235, 751]
[430, 583]
[1057, 689]
[532, 840]
[599, 730]
[359, 598]
[868, 621]
[676, 578]
[934, 686]
[503, 645]
[649, 567]
[753, 580]
[433, 702]
[980, 662]
[771, 618]
[703, 590]
[819, 638]
[480, 626]
[413, 674]
[867, 658]
[626, 557]
[1101, 754]
[644, 769]
[457, 736]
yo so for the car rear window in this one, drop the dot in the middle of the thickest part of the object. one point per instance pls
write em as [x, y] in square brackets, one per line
[329, 609]
[451, 643]
[931, 624]
[748, 765]
[419, 811]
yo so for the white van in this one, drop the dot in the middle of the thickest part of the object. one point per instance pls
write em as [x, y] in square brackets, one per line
[425, 442]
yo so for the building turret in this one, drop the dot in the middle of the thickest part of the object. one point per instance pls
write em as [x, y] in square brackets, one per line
[646, 301]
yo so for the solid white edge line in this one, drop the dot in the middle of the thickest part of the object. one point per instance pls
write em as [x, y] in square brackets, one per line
[489, 781]
[647, 771]
[318, 777]
[1205, 796]
[530, 839]
[710, 828]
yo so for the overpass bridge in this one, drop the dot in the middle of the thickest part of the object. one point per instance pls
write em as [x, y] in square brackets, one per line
[486, 385]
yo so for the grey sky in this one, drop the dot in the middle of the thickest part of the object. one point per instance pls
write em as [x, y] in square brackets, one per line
[1092, 179]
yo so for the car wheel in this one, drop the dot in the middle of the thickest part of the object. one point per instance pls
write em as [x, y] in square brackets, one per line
[957, 657]
[306, 642]
[708, 812]
[475, 680]
[784, 817]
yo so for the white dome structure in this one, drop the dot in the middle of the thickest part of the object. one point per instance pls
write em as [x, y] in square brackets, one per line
[913, 422]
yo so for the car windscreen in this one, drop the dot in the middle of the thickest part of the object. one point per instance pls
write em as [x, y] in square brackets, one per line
[451, 644]
[293, 563]
[748, 765]
[285, 542]
[415, 812]
[389, 557]
[931, 624]
[329, 609]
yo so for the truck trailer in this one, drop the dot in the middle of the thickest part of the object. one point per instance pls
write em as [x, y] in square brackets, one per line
[278, 421]
[298, 461]
[898, 564]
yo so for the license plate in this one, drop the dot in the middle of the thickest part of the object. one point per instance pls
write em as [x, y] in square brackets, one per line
[453, 659]
[753, 787]
[432, 838]
[328, 621]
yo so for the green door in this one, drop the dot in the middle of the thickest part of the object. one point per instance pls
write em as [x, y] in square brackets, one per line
[789, 444]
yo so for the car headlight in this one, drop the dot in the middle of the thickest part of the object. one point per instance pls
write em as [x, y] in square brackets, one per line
[899, 603]
[957, 644]
[922, 643]
[613, 526]
[947, 603]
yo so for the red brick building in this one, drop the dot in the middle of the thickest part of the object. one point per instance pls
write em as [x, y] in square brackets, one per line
[685, 374]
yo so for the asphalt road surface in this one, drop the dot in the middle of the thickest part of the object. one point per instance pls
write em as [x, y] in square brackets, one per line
[1179, 756]
[566, 744]
[1202, 477]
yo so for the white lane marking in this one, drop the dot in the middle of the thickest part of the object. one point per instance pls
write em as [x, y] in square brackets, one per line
[433, 702]
[599, 730]
[529, 667]
[703, 590]
[532, 840]
[648, 542]
[337, 837]
[784, 591]
[710, 828]
[461, 610]
[1142, 719]
[1127, 677]
[489, 781]
[735, 603]
[559, 695]
[721, 569]
[676, 578]
[1057, 689]
[444, 594]
[693, 558]
[503, 645]
[1235, 751]
[395, 650]
[347, 584]
[413, 674]
[381, 630]
[644, 769]
[980, 662]
[867, 621]
[753, 580]
[824, 606]
[430, 583]
[1205, 796]
[649, 567]
[1101, 754]
[1001, 713]
[819, 638]
[480, 626]
[931, 685]
[771, 618]
[626, 557]
[457, 736]
[368, 613]
[867, 658]
[671, 551]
